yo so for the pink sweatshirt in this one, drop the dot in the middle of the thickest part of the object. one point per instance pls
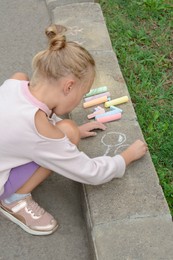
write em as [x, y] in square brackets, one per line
[21, 143]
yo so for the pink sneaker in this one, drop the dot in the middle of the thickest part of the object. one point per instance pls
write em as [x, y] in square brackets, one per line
[29, 216]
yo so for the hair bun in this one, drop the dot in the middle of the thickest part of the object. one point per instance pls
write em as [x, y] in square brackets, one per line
[57, 40]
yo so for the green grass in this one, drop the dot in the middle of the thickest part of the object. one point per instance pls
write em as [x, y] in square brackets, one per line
[141, 32]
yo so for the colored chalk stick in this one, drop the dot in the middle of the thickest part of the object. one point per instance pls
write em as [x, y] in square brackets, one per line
[95, 102]
[109, 113]
[109, 118]
[96, 91]
[117, 101]
[116, 109]
[97, 96]
[97, 108]
[100, 111]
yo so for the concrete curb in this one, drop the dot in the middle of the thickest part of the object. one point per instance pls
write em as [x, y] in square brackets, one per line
[52, 4]
[128, 218]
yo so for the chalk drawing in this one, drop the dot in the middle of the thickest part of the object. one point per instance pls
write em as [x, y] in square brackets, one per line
[80, 43]
[74, 30]
[117, 142]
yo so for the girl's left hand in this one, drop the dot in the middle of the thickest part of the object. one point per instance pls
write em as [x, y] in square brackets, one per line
[86, 129]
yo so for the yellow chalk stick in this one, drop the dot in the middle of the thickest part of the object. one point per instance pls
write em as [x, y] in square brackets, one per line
[117, 101]
[96, 101]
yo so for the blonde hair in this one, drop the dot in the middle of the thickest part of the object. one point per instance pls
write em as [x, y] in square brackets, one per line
[61, 58]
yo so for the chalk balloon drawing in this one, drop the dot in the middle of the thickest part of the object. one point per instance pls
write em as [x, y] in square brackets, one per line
[113, 141]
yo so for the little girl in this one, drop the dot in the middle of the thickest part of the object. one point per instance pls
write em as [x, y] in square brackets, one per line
[34, 141]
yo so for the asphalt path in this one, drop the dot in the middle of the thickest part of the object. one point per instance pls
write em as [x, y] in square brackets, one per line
[22, 26]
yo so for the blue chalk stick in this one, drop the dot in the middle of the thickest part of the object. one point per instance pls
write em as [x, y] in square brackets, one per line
[109, 113]
[116, 109]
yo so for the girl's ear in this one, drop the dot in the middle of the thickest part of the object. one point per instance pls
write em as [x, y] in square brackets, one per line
[68, 87]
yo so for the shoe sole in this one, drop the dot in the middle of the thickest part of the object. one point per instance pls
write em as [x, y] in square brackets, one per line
[24, 227]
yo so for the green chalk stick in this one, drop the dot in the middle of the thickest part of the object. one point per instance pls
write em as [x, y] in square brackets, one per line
[96, 91]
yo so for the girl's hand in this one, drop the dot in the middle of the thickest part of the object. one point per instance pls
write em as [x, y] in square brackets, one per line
[86, 129]
[134, 152]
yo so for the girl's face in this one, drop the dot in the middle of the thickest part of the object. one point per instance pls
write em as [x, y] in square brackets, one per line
[73, 92]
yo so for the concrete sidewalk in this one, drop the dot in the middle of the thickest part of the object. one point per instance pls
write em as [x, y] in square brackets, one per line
[127, 218]
[22, 36]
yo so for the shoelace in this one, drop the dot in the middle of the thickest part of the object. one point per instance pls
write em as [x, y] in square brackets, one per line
[34, 208]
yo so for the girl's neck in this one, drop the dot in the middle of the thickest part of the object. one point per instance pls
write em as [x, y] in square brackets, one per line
[43, 93]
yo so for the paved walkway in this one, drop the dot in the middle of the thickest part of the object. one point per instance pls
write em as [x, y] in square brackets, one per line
[126, 219]
[22, 36]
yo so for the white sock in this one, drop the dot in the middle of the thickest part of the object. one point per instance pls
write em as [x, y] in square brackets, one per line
[15, 197]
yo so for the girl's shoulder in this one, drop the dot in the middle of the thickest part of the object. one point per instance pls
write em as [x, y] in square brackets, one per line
[45, 128]
[20, 76]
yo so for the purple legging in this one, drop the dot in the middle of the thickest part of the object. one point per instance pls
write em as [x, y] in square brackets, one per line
[17, 178]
